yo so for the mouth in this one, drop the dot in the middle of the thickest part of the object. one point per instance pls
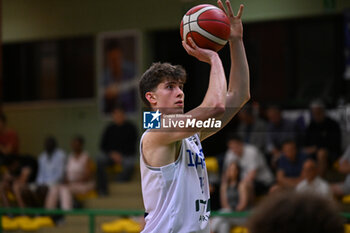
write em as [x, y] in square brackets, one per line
[179, 103]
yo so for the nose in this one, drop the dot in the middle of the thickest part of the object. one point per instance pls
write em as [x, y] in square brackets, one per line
[179, 92]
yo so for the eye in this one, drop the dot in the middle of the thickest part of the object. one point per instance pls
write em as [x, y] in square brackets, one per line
[170, 86]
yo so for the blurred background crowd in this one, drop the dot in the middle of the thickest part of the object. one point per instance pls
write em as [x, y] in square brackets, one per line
[269, 150]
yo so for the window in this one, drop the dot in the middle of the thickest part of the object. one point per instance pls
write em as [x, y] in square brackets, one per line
[49, 70]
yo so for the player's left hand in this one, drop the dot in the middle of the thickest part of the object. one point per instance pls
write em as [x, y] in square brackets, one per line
[235, 21]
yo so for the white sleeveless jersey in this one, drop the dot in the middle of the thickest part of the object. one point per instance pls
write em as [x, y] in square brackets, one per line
[176, 196]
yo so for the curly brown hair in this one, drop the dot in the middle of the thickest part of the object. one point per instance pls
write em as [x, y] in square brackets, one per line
[157, 73]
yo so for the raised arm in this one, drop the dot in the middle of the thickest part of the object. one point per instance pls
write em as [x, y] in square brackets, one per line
[213, 104]
[238, 89]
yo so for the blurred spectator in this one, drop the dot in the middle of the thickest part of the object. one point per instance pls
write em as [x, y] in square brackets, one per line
[51, 163]
[255, 175]
[118, 146]
[9, 142]
[311, 182]
[78, 178]
[296, 212]
[278, 131]
[343, 188]
[118, 78]
[323, 137]
[289, 166]
[230, 199]
[251, 129]
[19, 172]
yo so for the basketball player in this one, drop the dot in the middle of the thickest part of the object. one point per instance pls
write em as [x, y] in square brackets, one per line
[173, 172]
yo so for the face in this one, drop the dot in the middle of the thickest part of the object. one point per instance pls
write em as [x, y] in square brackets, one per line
[318, 114]
[50, 145]
[236, 147]
[274, 115]
[290, 150]
[168, 96]
[77, 146]
[118, 116]
[309, 170]
[114, 60]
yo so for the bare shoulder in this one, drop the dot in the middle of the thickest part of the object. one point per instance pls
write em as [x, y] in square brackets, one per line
[157, 154]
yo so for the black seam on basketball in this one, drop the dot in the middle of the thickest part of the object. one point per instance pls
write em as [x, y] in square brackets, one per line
[202, 20]
[191, 35]
[206, 30]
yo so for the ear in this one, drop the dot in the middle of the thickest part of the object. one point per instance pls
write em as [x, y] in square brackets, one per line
[150, 96]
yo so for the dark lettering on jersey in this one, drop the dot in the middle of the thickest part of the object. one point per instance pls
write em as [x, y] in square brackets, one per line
[194, 139]
[200, 202]
[203, 218]
[198, 159]
[201, 182]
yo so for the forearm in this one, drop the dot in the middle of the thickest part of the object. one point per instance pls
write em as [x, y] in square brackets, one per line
[289, 182]
[238, 90]
[239, 73]
[223, 197]
[215, 96]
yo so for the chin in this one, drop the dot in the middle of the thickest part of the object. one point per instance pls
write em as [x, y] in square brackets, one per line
[174, 111]
[179, 110]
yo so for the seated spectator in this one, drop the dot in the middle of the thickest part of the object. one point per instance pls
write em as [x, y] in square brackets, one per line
[256, 177]
[118, 146]
[323, 138]
[51, 163]
[230, 199]
[251, 129]
[78, 178]
[296, 212]
[289, 167]
[51, 168]
[311, 182]
[343, 188]
[20, 171]
[9, 142]
[278, 131]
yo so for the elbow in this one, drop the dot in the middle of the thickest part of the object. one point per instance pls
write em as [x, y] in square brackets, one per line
[219, 109]
[246, 98]
[214, 108]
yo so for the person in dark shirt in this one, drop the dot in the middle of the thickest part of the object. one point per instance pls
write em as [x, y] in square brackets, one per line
[118, 146]
[279, 130]
[289, 166]
[323, 138]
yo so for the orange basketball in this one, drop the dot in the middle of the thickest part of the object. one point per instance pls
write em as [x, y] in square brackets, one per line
[207, 25]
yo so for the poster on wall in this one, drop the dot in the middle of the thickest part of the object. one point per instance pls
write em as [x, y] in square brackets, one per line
[118, 70]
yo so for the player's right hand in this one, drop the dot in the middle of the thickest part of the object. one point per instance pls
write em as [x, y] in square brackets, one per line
[204, 55]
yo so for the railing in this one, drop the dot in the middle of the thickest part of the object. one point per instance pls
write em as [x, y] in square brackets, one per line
[92, 213]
